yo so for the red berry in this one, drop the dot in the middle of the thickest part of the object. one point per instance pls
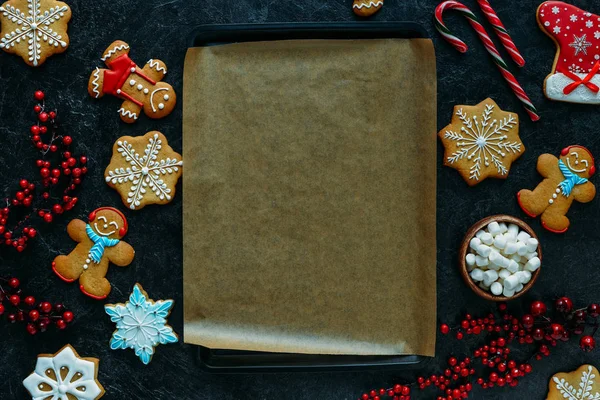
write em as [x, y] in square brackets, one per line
[14, 300]
[39, 95]
[493, 377]
[556, 331]
[83, 159]
[57, 209]
[67, 140]
[52, 114]
[46, 307]
[43, 129]
[594, 310]
[43, 116]
[538, 308]
[31, 329]
[76, 172]
[459, 336]
[29, 300]
[445, 329]
[13, 282]
[12, 318]
[397, 388]
[32, 232]
[34, 315]
[48, 218]
[580, 315]
[405, 391]
[53, 148]
[564, 305]
[587, 343]
[1, 309]
[44, 172]
[71, 161]
[37, 108]
[61, 324]
[42, 326]
[35, 130]
[68, 316]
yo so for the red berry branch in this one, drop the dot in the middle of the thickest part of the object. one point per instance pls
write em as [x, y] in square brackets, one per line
[59, 169]
[491, 364]
[23, 309]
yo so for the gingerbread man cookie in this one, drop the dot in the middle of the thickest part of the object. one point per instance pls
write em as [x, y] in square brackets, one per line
[99, 242]
[144, 170]
[366, 8]
[140, 88]
[566, 179]
[577, 385]
[34, 29]
[481, 142]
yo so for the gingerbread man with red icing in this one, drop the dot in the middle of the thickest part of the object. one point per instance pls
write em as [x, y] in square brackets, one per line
[99, 243]
[140, 88]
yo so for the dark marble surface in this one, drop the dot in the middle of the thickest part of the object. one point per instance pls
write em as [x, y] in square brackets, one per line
[163, 29]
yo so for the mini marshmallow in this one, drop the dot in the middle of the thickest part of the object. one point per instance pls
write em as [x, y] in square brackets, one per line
[479, 233]
[500, 242]
[481, 285]
[490, 277]
[511, 282]
[521, 248]
[494, 228]
[532, 245]
[510, 238]
[471, 259]
[503, 274]
[523, 236]
[533, 264]
[513, 230]
[496, 289]
[486, 238]
[515, 257]
[498, 259]
[529, 256]
[483, 250]
[524, 277]
[511, 248]
[513, 266]
[519, 288]
[508, 292]
[477, 275]
[503, 227]
[482, 261]
[475, 243]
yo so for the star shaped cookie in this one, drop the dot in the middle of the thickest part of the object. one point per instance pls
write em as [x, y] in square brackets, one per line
[481, 142]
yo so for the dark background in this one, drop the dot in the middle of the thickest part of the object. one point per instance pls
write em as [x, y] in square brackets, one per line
[164, 29]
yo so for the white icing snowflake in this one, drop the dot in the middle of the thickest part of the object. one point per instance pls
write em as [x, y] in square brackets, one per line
[580, 44]
[557, 29]
[585, 387]
[141, 324]
[34, 27]
[483, 142]
[597, 35]
[589, 24]
[573, 18]
[555, 10]
[145, 171]
[63, 376]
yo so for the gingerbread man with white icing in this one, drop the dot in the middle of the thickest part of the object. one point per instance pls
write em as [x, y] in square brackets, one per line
[566, 179]
[140, 88]
[99, 243]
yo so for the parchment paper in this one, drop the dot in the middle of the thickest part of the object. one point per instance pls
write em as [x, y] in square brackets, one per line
[309, 197]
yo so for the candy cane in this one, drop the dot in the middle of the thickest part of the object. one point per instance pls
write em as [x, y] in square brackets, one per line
[489, 46]
[501, 31]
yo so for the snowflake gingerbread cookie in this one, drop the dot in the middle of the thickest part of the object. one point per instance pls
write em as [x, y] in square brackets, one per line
[64, 376]
[576, 385]
[144, 170]
[139, 88]
[34, 29]
[481, 141]
[99, 242]
[575, 74]
[141, 324]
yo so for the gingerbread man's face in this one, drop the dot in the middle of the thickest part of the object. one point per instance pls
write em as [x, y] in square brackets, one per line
[579, 161]
[108, 223]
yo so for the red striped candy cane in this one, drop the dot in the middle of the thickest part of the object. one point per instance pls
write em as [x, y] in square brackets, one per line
[501, 31]
[489, 46]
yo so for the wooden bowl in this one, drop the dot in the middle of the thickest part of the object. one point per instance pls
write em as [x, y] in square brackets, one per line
[464, 248]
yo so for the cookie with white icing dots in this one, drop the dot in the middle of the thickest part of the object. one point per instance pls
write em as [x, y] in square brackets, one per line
[140, 89]
[144, 170]
[366, 8]
[64, 375]
[34, 29]
[481, 142]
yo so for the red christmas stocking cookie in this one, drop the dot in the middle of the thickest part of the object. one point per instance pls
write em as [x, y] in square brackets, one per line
[576, 32]
[140, 88]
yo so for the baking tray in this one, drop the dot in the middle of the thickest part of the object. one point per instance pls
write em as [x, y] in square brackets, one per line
[231, 361]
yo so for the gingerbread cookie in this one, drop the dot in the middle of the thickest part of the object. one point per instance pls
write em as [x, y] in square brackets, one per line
[144, 170]
[99, 242]
[34, 29]
[566, 179]
[141, 324]
[366, 8]
[580, 384]
[65, 376]
[140, 88]
[574, 77]
[481, 141]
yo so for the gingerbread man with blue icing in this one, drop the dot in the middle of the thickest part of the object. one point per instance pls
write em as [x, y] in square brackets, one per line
[99, 243]
[566, 179]
[140, 89]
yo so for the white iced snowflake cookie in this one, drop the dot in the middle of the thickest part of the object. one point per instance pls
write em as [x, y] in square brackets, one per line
[34, 29]
[144, 170]
[141, 324]
[481, 142]
[64, 375]
[577, 385]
